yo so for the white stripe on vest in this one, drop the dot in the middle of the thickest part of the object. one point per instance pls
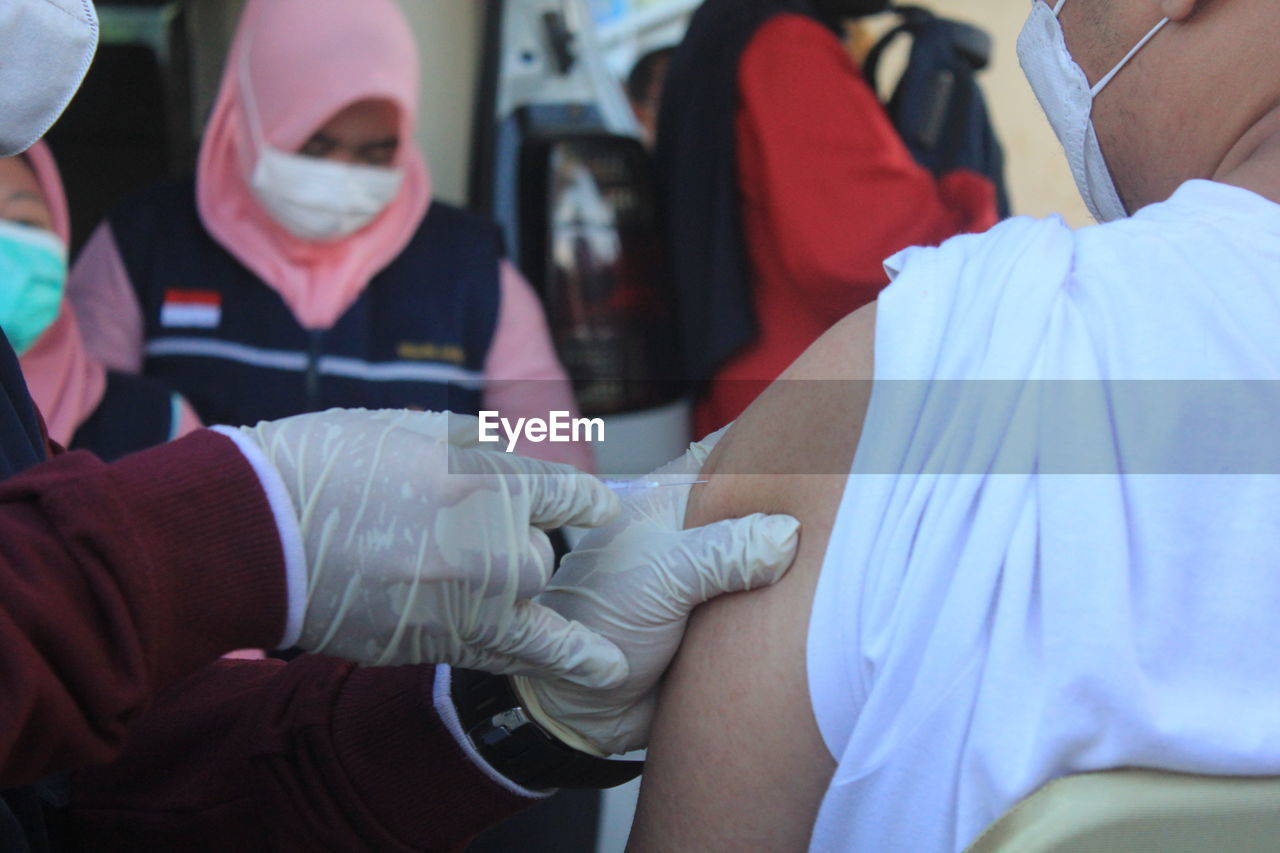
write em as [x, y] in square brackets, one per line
[297, 362]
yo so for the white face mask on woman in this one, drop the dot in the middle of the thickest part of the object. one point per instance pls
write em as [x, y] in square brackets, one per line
[321, 200]
[46, 47]
[315, 199]
[1067, 98]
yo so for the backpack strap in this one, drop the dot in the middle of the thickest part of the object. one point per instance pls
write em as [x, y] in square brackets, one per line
[937, 106]
[912, 18]
[971, 43]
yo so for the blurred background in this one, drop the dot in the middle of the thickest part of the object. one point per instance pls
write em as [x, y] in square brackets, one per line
[1039, 181]
[169, 56]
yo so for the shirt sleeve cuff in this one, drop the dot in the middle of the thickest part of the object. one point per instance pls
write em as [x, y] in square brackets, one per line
[443, 700]
[286, 517]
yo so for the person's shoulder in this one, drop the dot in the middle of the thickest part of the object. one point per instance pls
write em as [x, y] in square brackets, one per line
[952, 308]
[795, 63]
[442, 215]
[1008, 246]
[1199, 265]
[167, 209]
[172, 190]
[1201, 213]
[451, 231]
[789, 27]
[792, 36]
[166, 198]
[1172, 246]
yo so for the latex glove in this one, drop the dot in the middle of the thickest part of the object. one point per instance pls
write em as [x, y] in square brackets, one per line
[423, 548]
[635, 582]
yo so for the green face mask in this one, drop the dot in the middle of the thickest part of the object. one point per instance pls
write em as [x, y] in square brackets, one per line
[33, 275]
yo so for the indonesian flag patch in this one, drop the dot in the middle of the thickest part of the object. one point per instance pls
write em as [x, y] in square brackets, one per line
[191, 309]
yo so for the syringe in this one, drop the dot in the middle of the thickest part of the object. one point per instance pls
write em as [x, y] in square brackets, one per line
[626, 488]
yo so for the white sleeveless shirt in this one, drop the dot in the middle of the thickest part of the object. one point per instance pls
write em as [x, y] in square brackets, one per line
[1036, 573]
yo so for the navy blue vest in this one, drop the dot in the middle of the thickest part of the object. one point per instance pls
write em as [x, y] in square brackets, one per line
[417, 337]
[135, 413]
[24, 812]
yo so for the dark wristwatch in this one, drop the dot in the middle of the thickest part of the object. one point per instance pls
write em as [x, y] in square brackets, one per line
[508, 738]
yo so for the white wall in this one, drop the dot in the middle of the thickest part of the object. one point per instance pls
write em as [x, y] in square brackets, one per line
[211, 25]
[450, 34]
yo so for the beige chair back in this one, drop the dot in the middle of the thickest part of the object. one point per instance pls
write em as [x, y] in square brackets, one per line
[1141, 811]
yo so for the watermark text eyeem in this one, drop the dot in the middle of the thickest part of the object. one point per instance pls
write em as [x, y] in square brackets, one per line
[558, 428]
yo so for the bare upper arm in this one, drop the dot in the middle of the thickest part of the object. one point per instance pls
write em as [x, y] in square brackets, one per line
[736, 761]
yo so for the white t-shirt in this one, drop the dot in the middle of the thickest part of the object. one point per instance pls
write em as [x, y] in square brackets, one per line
[998, 607]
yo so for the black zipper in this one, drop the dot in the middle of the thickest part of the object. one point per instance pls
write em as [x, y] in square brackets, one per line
[313, 369]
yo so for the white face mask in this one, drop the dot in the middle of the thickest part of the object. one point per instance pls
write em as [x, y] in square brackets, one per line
[320, 200]
[1067, 98]
[315, 199]
[46, 47]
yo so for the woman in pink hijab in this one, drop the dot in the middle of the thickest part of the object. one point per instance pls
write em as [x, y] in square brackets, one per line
[83, 405]
[307, 266]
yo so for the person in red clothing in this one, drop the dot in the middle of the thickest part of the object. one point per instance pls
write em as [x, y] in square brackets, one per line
[786, 187]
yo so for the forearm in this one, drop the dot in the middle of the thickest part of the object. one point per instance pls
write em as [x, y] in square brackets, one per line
[258, 755]
[119, 580]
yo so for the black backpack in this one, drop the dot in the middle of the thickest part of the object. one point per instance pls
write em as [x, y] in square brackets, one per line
[937, 106]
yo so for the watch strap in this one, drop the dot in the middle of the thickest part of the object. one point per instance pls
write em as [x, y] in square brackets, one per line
[512, 742]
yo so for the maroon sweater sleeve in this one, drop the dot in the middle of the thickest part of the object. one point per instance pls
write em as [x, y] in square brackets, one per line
[119, 580]
[313, 755]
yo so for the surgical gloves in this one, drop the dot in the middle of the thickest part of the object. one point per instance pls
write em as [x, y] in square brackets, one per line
[422, 548]
[635, 582]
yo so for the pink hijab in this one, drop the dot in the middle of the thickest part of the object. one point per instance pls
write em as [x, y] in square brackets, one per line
[307, 60]
[65, 382]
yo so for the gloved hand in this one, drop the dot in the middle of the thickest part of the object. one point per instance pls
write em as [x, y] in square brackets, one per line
[635, 582]
[423, 548]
